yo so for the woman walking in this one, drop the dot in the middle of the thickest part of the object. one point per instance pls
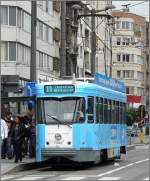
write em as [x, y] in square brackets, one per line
[18, 138]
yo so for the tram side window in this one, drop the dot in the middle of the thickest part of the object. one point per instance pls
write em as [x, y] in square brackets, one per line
[90, 110]
[113, 112]
[117, 112]
[109, 111]
[105, 111]
[99, 110]
[124, 113]
[121, 112]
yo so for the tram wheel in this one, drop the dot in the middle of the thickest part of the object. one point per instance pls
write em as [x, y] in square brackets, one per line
[103, 155]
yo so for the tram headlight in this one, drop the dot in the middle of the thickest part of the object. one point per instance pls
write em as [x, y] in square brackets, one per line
[69, 142]
[47, 143]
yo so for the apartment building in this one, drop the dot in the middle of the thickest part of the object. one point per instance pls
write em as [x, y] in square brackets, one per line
[16, 39]
[129, 56]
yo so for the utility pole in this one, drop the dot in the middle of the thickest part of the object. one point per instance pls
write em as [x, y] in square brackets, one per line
[33, 41]
[94, 14]
[93, 42]
[63, 40]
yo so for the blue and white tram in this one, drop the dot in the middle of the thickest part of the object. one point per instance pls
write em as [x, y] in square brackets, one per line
[80, 121]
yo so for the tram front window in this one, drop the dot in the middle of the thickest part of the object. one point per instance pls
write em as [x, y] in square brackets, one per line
[61, 110]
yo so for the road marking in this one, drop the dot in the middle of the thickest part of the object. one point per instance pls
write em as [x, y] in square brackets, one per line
[147, 178]
[73, 178]
[110, 178]
[29, 178]
[7, 177]
[120, 168]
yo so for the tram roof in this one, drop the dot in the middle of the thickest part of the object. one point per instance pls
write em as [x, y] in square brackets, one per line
[85, 88]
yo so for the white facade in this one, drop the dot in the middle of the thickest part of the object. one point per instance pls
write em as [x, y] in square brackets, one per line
[16, 39]
[128, 57]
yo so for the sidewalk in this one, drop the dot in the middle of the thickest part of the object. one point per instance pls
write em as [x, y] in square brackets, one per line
[135, 141]
[9, 165]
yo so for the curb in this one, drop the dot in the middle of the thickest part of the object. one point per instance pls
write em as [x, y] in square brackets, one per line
[26, 166]
[131, 147]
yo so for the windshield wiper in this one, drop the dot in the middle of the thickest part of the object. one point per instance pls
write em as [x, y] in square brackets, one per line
[56, 119]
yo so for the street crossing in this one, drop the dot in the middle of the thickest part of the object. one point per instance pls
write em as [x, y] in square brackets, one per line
[60, 177]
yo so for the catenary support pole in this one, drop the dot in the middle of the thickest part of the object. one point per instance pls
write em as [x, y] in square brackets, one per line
[33, 77]
[63, 40]
[93, 42]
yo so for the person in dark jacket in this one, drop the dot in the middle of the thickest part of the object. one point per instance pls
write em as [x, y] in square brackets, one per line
[31, 134]
[10, 150]
[18, 138]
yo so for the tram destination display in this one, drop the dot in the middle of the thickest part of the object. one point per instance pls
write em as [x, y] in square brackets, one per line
[59, 89]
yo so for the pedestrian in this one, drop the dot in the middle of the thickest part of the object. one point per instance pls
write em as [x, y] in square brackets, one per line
[18, 137]
[31, 132]
[10, 149]
[4, 136]
[8, 117]
[29, 113]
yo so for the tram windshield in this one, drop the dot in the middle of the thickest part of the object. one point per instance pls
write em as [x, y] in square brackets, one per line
[61, 110]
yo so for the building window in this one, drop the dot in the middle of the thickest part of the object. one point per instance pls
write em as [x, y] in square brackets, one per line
[4, 51]
[44, 32]
[19, 18]
[127, 25]
[37, 59]
[118, 57]
[41, 30]
[56, 64]
[49, 63]
[130, 90]
[140, 59]
[118, 73]
[40, 61]
[118, 24]
[118, 41]
[127, 90]
[128, 73]
[56, 34]
[49, 6]
[126, 58]
[12, 51]
[81, 52]
[140, 75]
[123, 25]
[4, 15]
[12, 16]
[20, 51]
[126, 41]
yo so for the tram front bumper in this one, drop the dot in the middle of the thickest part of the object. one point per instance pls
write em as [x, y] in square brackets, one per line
[50, 152]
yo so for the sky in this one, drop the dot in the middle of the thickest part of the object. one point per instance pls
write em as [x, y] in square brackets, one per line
[139, 8]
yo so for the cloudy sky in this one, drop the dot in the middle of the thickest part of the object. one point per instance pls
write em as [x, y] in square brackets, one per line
[137, 7]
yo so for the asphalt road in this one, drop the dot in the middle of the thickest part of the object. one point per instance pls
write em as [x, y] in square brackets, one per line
[135, 166]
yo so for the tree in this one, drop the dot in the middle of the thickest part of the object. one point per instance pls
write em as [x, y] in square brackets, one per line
[131, 116]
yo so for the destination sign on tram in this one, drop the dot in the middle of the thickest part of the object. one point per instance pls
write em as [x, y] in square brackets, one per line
[59, 89]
